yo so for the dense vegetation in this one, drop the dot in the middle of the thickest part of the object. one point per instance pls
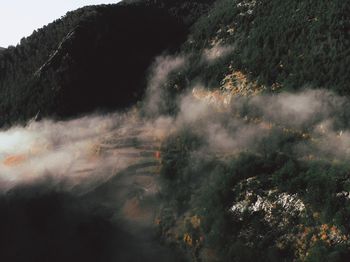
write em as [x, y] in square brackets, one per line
[288, 45]
[292, 44]
[199, 193]
[68, 67]
[92, 58]
[41, 225]
[266, 202]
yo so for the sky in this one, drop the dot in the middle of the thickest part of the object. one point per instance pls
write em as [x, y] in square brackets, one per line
[19, 18]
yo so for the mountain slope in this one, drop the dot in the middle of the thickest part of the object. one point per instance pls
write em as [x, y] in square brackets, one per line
[57, 64]
[236, 147]
[283, 197]
[294, 44]
[93, 58]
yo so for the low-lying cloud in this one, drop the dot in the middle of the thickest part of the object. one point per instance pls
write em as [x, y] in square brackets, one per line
[69, 152]
[66, 152]
[216, 52]
[77, 156]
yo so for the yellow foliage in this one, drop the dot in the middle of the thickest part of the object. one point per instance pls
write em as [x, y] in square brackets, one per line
[195, 221]
[157, 221]
[188, 239]
[276, 86]
[306, 231]
[324, 236]
[334, 229]
[238, 84]
[316, 215]
[314, 238]
[14, 160]
[324, 227]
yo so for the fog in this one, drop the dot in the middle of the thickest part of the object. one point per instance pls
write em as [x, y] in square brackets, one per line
[69, 152]
[103, 158]
[210, 55]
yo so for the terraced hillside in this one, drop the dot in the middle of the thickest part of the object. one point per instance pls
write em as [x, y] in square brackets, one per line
[133, 193]
[116, 173]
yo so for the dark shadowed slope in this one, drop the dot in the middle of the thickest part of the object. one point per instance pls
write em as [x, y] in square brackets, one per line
[115, 220]
[93, 58]
[99, 62]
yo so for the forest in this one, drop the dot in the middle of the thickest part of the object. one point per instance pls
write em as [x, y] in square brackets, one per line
[241, 107]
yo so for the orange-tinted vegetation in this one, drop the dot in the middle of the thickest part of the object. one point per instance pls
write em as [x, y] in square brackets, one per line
[14, 160]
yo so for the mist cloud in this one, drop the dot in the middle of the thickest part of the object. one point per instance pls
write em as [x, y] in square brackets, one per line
[216, 52]
[67, 152]
[74, 154]
[162, 67]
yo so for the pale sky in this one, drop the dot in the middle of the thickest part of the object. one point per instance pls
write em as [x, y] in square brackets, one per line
[19, 18]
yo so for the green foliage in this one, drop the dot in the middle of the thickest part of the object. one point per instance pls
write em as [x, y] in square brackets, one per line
[293, 43]
[176, 156]
[94, 58]
[98, 57]
[202, 185]
[322, 252]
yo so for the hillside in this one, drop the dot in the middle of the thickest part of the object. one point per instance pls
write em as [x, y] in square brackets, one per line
[93, 58]
[186, 130]
[79, 59]
[264, 181]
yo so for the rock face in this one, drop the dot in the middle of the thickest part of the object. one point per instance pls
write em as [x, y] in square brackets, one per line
[269, 203]
[279, 213]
